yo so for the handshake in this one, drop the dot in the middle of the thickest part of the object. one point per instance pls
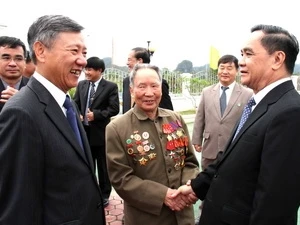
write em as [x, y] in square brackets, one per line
[183, 197]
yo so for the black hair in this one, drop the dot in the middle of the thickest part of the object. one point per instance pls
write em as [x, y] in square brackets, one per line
[229, 59]
[95, 63]
[12, 42]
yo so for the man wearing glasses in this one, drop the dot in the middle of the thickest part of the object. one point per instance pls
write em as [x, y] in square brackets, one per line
[12, 66]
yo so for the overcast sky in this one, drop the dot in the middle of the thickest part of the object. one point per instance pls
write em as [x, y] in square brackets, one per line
[178, 30]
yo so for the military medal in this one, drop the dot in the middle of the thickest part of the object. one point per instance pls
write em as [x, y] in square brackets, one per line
[177, 143]
[139, 148]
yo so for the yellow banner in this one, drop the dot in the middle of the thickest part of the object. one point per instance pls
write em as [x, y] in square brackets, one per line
[214, 58]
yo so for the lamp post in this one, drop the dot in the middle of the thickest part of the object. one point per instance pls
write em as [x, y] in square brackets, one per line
[150, 50]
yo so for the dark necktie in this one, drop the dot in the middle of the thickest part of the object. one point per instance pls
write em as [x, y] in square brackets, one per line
[92, 93]
[223, 101]
[71, 116]
[247, 111]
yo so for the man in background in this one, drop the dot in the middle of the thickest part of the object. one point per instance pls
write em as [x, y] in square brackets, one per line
[98, 101]
[214, 122]
[220, 107]
[141, 55]
[12, 65]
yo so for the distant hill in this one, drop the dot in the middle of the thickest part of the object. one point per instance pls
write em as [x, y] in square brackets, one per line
[185, 64]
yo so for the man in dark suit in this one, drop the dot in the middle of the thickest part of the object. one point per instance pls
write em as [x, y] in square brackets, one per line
[12, 65]
[96, 108]
[47, 174]
[141, 55]
[260, 166]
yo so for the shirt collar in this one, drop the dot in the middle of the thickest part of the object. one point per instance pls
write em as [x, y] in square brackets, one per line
[141, 115]
[57, 94]
[262, 93]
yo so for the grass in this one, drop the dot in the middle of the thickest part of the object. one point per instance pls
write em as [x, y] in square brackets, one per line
[188, 112]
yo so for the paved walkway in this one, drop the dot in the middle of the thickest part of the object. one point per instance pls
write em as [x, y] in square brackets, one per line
[114, 211]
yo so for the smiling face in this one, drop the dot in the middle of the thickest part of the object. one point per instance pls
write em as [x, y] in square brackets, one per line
[227, 73]
[92, 74]
[63, 62]
[146, 90]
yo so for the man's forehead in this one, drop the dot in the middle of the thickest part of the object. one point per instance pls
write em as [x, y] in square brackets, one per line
[5, 50]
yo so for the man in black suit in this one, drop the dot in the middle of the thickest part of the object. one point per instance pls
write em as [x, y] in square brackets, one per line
[256, 179]
[141, 55]
[47, 174]
[96, 108]
[12, 65]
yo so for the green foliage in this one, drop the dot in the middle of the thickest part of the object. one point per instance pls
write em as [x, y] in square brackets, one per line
[197, 85]
[188, 112]
[72, 92]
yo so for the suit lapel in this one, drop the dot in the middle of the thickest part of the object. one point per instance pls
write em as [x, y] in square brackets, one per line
[84, 95]
[1, 85]
[85, 141]
[236, 92]
[258, 112]
[216, 98]
[56, 115]
[100, 88]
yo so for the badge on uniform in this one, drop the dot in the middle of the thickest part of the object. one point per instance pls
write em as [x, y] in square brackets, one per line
[139, 147]
[177, 142]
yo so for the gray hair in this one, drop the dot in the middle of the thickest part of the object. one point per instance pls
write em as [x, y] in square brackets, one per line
[46, 29]
[139, 66]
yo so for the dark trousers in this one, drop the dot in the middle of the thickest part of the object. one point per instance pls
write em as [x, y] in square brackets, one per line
[99, 157]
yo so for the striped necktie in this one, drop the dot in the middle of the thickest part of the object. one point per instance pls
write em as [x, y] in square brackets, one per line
[92, 93]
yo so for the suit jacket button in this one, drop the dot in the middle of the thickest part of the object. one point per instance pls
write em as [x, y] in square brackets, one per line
[216, 175]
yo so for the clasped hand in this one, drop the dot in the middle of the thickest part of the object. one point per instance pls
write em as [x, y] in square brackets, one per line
[183, 197]
[7, 94]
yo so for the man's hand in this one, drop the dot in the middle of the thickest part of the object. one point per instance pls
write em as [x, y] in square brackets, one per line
[198, 148]
[186, 192]
[90, 115]
[8, 93]
[175, 203]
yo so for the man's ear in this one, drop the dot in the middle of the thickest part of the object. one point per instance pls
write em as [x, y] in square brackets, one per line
[131, 91]
[140, 60]
[279, 58]
[39, 49]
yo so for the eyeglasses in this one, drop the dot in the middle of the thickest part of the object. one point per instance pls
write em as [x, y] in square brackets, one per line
[8, 59]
